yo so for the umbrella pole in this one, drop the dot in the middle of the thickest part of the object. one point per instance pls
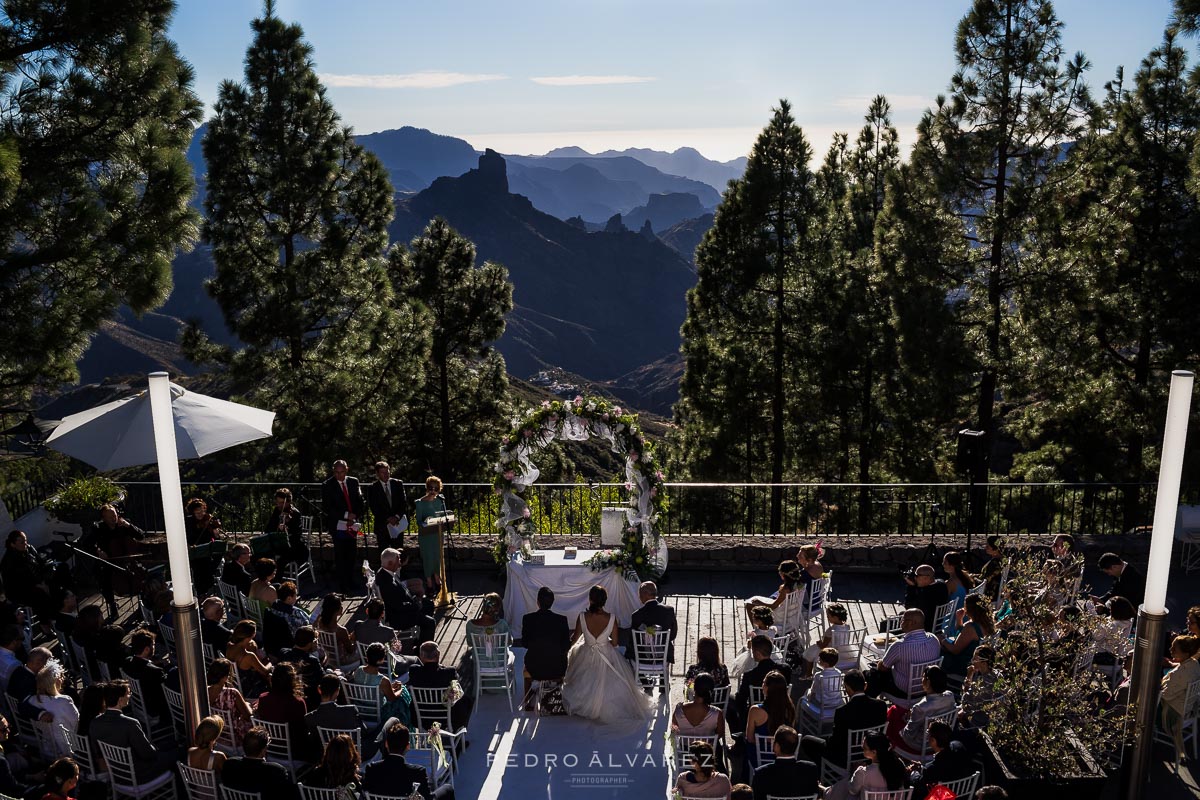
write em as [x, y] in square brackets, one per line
[187, 624]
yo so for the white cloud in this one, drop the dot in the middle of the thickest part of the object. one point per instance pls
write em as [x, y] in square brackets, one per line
[590, 80]
[428, 79]
[898, 102]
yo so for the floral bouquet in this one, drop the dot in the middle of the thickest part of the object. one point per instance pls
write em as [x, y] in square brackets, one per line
[435, 741]
[454, 693]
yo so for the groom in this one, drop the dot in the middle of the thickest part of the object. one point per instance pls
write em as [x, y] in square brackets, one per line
[651, 613]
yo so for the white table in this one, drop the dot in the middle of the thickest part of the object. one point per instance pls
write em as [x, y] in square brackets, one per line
[571, 581]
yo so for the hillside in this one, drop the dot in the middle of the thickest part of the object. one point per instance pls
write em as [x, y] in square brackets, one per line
[684, 237]
[686, 162]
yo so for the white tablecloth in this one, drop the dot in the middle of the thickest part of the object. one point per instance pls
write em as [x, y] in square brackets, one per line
[571, 582]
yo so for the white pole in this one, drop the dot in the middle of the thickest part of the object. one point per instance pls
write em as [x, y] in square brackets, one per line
[168, 482]
[1166, 504]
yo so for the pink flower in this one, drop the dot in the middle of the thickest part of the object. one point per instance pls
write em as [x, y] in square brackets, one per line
[545, 404]
[527, 514]
[604, 416]
[658, 474]
[578, 400]
[628, 486]
[509, 475]
[633, 456]
[617, 410]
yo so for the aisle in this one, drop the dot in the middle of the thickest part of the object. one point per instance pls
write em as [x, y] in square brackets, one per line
[526, 756]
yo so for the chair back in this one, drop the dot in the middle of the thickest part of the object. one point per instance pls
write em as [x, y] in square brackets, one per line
[683, 749]
[175, 703]
[963, 788]
[849, 644]
[80, 658]
[949, 717]
[792, 797]
[422, 754]
[201, 784]
[916, 674]
[328, 642]
[787, 616]
[898, 794]
[367, 699]
[233, 599]
[237, 794]
[326, 734]
[491, 652]
[943, 616]
[279, 746]
[168, 636]
[254, 610]
[650, 650]
[764, 748]
[855, 737]
[105, 672]
[891, 624]
[317, 793]
[430, 706]
[210, 653]
[226, 742]
[120, 764]
[721, 697]
[756, 694]
[812, 602]
[81, 751]
[825, 688]
[779, 645]
[137, 700]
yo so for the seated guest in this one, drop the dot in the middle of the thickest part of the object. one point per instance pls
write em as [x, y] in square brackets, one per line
[304, 656]
[1176, 682]
[285, 703]
[242, 651]
[837, 634]
[741, 791]
[1127, 581]
[327, 622]
[49, 700]
[253, 773]
[392, 774]
[372, 629]
[330, 713]
[885, 772]
[925, 592]
[111, 649]
[338, 768]
[373, 672]
[826, 695]
[765, 718]
[653, 614]
[789, 575]
[62, 777]
[786, 775]
[68, 612]
[708, 660]
[958, 583]
[403, 608]
[906, 729]
[993, 570]
[11, 640]
[915, 646]
[13, 763]
[262, 589]
[491, 617]
[116, 728]
[860, 711]
[547, 638]
[951, 762]
[283, 619]
[432, 675]
[23, 681]
[222, 697]
[203, 753]
[212, 626]
[760, 650]
[703, 780]
[978, 689]
[236, 572]
[150, 676]
[975, 625]
[86, 635]
[762, 620]
[699, 717]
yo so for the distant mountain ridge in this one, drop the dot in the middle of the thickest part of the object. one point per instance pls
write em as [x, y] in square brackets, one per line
[686, 162]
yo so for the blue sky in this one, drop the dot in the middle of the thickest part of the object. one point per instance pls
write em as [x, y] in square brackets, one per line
[526, 76]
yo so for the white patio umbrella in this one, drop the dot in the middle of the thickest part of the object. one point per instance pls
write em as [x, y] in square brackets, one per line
[160, 426]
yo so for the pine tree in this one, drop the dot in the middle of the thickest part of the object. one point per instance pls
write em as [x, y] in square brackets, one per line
[988, 151]
[457, 427]
[94, 186]
[297, 220]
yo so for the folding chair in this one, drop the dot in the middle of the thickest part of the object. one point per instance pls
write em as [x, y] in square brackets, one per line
[650, 657]
[494, 662]
[681, 751]
[326, 734]
[898, 794]
[916, 674]
[200, 784]
[316, 793]
[812, 609]
[764, 748]
[328, 642]
[210, 654]
[779, 646]
[137, 701]
[422, 753]
[1187, 724]
[756, 695]
[226, 742]
[721, 698]
[81, 659]
[178, 719]
[814, 717]
[233, 599]
[849, 644]
[963, 788]
[792, 797]
[168, 636]
[949, 717]
[126, 784]
[832, 772]
[430, 705]
[81, 751]
[254, 610]
[279, 747]
[225, 793]
[787, 615]
[367, 699]
[943, 616]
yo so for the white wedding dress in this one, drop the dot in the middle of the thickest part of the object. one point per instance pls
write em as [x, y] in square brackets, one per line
[600, 684]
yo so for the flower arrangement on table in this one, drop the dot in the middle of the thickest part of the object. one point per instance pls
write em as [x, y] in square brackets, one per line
[575, 420]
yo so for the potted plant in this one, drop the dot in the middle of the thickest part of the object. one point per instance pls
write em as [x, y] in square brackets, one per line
[79, 501]
[1050, 719]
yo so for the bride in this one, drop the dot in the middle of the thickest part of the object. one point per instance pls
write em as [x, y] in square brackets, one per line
[599, 683]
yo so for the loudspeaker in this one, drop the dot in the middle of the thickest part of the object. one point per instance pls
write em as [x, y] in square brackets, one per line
[971, 451]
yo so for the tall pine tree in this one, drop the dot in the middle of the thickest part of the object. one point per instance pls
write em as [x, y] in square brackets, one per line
[297, 220]
[456, 428]
[97, 113]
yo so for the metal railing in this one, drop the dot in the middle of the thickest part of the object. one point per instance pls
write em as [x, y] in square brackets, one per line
[725, 509]
[21, 500]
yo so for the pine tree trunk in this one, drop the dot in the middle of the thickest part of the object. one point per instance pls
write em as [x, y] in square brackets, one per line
[777, 428]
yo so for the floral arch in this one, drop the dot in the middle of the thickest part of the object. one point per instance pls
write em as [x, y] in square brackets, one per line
[642, 550]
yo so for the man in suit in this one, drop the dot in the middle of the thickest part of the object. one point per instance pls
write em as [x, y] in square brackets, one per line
[253, 773]
[546, 637]
[114, 727]
[330, 713]
[389, 502]
[432, 675]
[651, 613]
[343, 506]
[212, 629]
[236, 571]
[924, 591]
[785, 776]
[1127, 581]
[760, 650]
[392, 775]
[404, 610]
[860, 711]
[951, 762]
[150, 676]
[372, 629]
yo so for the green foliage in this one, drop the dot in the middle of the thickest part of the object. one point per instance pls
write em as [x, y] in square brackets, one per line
[456, 426]
[81, 498]
[97, 112]
[297, 217]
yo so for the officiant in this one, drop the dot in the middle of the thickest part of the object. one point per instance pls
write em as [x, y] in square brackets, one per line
[389, 506]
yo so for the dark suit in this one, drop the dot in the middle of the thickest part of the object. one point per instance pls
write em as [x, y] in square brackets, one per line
[117, 729]
[435, 676]
[661, 617]
[296, 550]
[951, 764]
[382, 509]
[333, 715]
[236, 575]
[150, 678]
[860, 711]
[257, 775]
[345, 542]
[216, 634]
[1130, 584]
[927, 598]
[402, 607]
[785, 777]
[393, 776]
[741, 702]
[373, 631]
[547, 638]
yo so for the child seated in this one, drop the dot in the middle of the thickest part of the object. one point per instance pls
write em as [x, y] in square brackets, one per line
[762, 620]
[826, 694]
[837, 633]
